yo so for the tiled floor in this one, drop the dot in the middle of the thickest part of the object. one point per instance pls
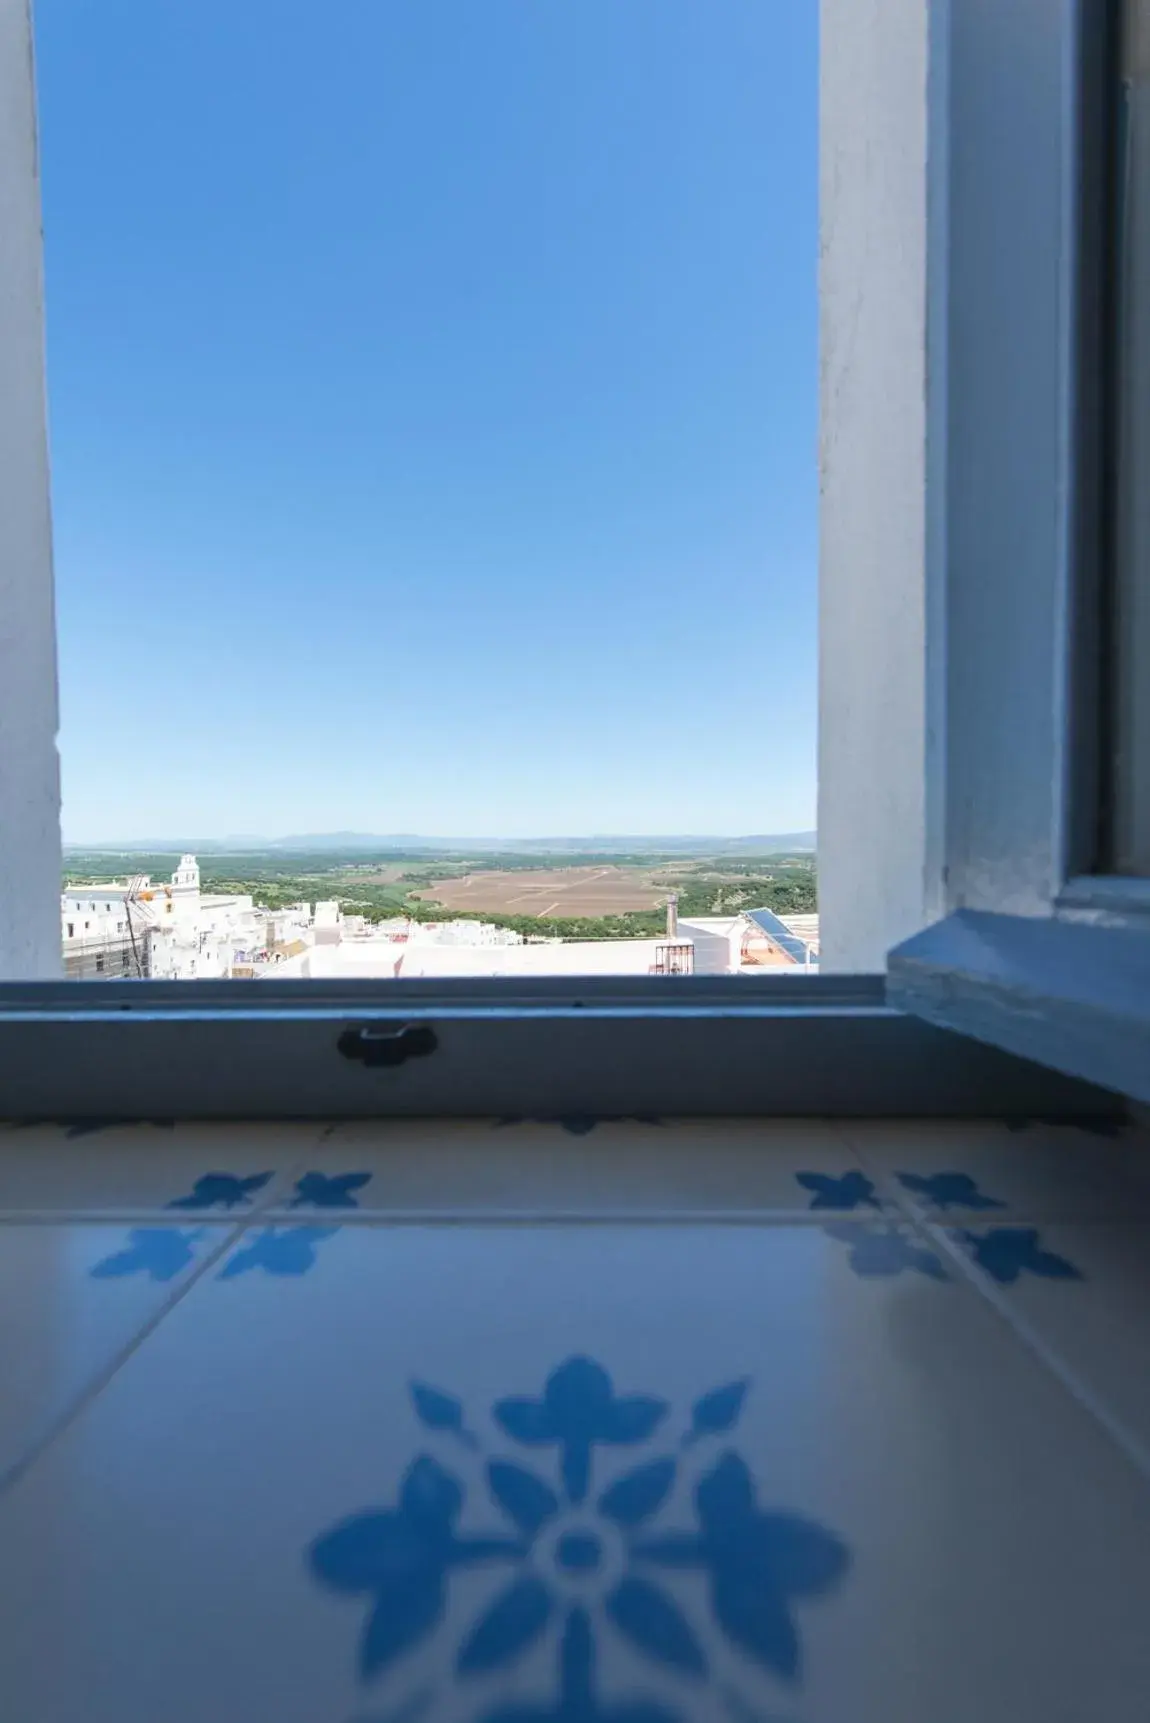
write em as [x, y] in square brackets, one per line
[574, 1422]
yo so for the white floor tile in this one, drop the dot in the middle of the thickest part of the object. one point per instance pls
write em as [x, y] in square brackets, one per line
[798, 1474]
[72, 1298]
[149, 1169]
[582, 1167]
[951, 1169]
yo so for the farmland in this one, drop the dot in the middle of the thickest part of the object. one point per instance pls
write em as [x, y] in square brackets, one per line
[563, 891]
[559, 895]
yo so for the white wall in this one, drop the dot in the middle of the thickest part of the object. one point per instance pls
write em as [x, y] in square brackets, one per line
[875, 726]
[29, 770]
[717, 940]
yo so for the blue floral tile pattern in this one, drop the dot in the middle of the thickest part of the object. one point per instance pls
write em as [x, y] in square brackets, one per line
[851, 1191]
[222, 1190]
[159, 1252]
[1010, 1251]
[280, 1251]
[323, 1190]
[948, 1190]
[878, 1252]
[576, 1554]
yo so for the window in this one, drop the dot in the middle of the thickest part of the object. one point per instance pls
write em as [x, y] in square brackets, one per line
[976, 248]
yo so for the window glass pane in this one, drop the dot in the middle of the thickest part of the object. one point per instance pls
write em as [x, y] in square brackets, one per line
[1131, 630]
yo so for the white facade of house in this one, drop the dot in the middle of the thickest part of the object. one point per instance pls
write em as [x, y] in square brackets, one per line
[179, 931]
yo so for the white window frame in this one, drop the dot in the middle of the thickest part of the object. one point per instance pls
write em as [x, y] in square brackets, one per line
[831, 1045]
[1035, 951]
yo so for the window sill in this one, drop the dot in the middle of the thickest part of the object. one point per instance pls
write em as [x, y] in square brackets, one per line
[784, 1046]
[1071, 993]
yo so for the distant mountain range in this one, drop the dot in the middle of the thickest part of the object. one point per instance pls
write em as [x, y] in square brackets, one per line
[354, 842]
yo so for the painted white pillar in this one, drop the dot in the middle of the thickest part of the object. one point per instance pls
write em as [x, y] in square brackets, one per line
[29, 767]
[876, 724]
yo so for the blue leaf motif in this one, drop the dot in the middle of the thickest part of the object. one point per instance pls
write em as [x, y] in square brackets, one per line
[638, 1494]
[525, 1420]
[289, 1250]
[323, 1190]
[438, 1411]
[523, 1497]
[853, 1190]
[398, 1623]
[160, 1252]
[877, 1252]
[577, 1702]
[654, 1622]
[512, 1623]
[717, 1412]
[948, 1190]
[430, 1494]
[761, 1624]
[402, 1556]
[580, 1408]
[1010, 1251]
[222, 1190]
[757, 1562]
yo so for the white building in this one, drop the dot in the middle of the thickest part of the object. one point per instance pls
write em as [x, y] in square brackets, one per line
[168, 931]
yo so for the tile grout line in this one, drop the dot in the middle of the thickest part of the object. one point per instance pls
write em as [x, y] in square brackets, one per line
[1047, 1355]
[938, 1235]
[367, 1218]
[87, 1395]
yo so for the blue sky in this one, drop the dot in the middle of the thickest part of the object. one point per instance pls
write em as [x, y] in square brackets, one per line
[433, 413]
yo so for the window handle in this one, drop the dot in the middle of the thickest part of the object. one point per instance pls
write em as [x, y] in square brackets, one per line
[388, 1046]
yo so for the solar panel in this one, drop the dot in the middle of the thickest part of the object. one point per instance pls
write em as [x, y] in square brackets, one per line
[769, 923]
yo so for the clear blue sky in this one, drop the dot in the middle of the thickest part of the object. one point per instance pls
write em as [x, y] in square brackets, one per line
[433, 413]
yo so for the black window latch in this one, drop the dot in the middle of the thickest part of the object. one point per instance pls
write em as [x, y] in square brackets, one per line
[388, 1046]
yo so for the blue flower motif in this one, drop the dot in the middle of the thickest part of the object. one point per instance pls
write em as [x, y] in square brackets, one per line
[401, 1557]
[160, 1252]
[878, 1252]
[287, 1250]
[948, 1190]
[321, 1190]
[578, 1409]
[1010, 1251]
[569, 1556]
[221, 1190]
[852, 1190]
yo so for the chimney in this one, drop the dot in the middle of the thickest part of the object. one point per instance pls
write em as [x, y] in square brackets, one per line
[673, 916]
